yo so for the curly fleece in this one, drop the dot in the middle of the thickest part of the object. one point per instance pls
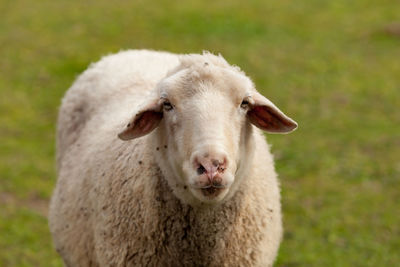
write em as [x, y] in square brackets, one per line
[112, 206]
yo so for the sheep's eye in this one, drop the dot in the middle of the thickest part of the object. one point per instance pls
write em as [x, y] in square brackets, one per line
[244, 104]
[167, 106]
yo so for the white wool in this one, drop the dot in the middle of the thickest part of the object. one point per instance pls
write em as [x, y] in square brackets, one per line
[120, 203]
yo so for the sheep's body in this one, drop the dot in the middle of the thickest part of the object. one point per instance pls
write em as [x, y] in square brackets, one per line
[112, 205]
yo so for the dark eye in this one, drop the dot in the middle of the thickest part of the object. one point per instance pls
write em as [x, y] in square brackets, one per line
[167, 106]
[244, 104]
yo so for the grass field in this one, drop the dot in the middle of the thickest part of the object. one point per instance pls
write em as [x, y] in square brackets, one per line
[334, 66]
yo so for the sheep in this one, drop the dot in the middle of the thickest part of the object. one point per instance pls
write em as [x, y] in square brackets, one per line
[161, 162]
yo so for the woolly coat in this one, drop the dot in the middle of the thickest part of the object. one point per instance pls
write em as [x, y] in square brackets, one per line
[112, 206]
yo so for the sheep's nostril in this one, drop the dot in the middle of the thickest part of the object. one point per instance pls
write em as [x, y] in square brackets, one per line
[215, 163]
[201, 170]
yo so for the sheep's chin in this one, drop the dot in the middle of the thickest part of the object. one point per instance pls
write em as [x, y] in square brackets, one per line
[210, 195]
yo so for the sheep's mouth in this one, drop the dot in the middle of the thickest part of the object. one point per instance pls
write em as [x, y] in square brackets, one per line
[212, 191]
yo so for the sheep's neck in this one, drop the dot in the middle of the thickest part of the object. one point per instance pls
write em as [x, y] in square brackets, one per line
[194, 231]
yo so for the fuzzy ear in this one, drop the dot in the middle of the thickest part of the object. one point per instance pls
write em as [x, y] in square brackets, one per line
[266, 116]
[143, 122]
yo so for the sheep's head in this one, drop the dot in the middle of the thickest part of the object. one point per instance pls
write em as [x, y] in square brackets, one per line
[204, 112]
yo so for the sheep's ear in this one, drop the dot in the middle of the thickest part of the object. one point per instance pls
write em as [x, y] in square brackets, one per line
[143, 122]
[266, 116]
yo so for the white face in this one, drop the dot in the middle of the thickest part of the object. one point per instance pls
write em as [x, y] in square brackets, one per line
[204, 131]
[205, 124]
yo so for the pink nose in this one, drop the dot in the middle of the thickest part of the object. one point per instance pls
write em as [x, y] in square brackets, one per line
[210, 164]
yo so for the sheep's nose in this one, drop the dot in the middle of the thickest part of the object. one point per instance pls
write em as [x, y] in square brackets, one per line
[210, 164]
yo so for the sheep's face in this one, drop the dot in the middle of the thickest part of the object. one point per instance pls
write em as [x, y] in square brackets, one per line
[204, 116]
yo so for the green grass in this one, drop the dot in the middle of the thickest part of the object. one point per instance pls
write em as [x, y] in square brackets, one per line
[329, 64]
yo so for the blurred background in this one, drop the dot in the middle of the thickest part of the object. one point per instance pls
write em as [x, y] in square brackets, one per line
[333, 66]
